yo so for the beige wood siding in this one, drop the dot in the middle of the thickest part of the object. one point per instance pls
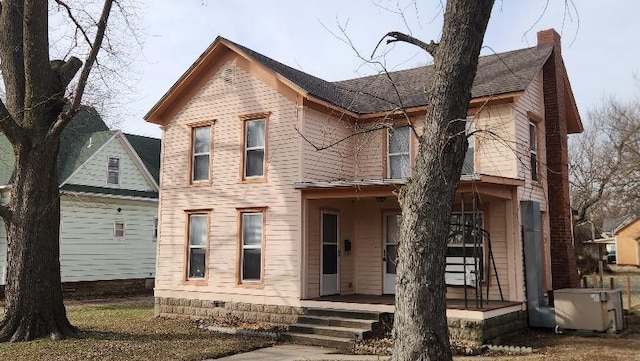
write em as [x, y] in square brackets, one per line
[627, 245]
[531, 101]
[337, 161]
[4, 199]
[495, 141]
[94, 171]
[224, 103]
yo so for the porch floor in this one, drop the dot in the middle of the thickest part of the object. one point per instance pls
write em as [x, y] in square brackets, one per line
[454, 304]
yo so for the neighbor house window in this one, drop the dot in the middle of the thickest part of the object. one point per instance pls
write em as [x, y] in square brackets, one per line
[254, 147]
[118, 230]
[252, 242]
[155, 229]
[398, 160]
[533, 151]
[200, 153]
[466, 237]
[197, 248]
[113, 171]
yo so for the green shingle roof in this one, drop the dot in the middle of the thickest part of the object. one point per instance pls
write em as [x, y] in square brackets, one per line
[148, 150]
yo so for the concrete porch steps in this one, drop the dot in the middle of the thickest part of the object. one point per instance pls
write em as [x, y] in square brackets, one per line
[332, 327]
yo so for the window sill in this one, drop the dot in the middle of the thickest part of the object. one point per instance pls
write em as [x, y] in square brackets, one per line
[250, 284]
[199, 184]
[254, 180]
[196, 282]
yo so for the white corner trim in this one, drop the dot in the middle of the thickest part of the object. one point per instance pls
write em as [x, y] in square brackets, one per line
[132, 152]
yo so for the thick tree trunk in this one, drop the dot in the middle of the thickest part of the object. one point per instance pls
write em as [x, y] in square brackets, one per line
[420, 323]
[34, 306]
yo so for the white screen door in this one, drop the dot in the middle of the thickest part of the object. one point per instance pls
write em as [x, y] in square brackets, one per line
[390, 251]
[330, 254]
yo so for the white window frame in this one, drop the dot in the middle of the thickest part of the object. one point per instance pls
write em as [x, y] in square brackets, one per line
[116, 237]
[248, 149]
[197, 246]
[400, 154]
[118, 172]
[533, 151]
[194, 155]
[244, 246]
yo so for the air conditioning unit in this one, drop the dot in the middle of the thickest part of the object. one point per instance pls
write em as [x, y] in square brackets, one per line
[589, 309]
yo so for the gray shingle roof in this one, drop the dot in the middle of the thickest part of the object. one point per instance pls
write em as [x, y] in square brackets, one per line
[497, 74]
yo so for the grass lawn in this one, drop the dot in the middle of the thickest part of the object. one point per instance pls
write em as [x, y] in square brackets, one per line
[128, 331]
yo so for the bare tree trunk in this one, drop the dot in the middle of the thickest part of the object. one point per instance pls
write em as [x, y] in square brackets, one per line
[420, 323]
[34, 306]
[32, 119]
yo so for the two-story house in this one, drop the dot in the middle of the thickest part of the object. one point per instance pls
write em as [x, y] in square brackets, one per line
[278, 188]
[109, 205]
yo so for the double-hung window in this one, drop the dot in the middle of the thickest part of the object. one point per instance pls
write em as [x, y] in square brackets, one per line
[533, 151]
[468, 167]
[398, 159]
[201, 153]
[113, 171]
[197, 247]
[118, 230]
[254, 148]
[252, 242]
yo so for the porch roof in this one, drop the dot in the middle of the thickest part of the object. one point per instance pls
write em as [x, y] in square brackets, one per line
[487, 184]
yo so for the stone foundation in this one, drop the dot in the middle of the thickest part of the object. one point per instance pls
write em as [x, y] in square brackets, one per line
[182, 307]
[486, 331]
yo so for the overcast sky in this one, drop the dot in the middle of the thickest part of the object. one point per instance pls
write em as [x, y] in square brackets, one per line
[598, 40]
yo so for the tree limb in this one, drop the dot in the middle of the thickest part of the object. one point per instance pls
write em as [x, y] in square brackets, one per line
[5, 213]
[430, 47]
[8, 124]
[65, 118]
[75, 21]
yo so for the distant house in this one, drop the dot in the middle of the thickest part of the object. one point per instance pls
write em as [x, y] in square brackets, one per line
[109, 205]
[627, 237]
[255, 219]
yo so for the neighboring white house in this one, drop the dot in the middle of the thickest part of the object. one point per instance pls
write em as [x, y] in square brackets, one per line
[109, 203]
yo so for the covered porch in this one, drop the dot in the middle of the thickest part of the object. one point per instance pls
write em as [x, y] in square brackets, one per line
[349, 244]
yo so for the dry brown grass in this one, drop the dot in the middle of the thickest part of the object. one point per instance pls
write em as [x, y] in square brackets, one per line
[128, 331]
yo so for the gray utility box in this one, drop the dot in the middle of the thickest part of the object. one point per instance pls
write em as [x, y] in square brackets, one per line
[589, 309]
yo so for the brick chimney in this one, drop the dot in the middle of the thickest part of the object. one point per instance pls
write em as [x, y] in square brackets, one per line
[563, 262]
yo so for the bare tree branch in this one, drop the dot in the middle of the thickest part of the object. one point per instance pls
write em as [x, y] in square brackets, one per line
[8, 124]
[66, 117]
[5, 213]
[430, 47]
[75, 21]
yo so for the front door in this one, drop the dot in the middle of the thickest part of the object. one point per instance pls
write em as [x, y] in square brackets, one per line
[390, 250]
[330, 275]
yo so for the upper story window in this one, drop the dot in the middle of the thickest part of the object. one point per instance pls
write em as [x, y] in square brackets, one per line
[469, 167]
[200, 153]
[113, 171]
[533, 150]
[155, 229]
[254, 148]
[118, 230]
[398, 150]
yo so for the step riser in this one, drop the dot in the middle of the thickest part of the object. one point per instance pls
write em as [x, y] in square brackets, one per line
[364, 324]
[333, 333]
[374, 316]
